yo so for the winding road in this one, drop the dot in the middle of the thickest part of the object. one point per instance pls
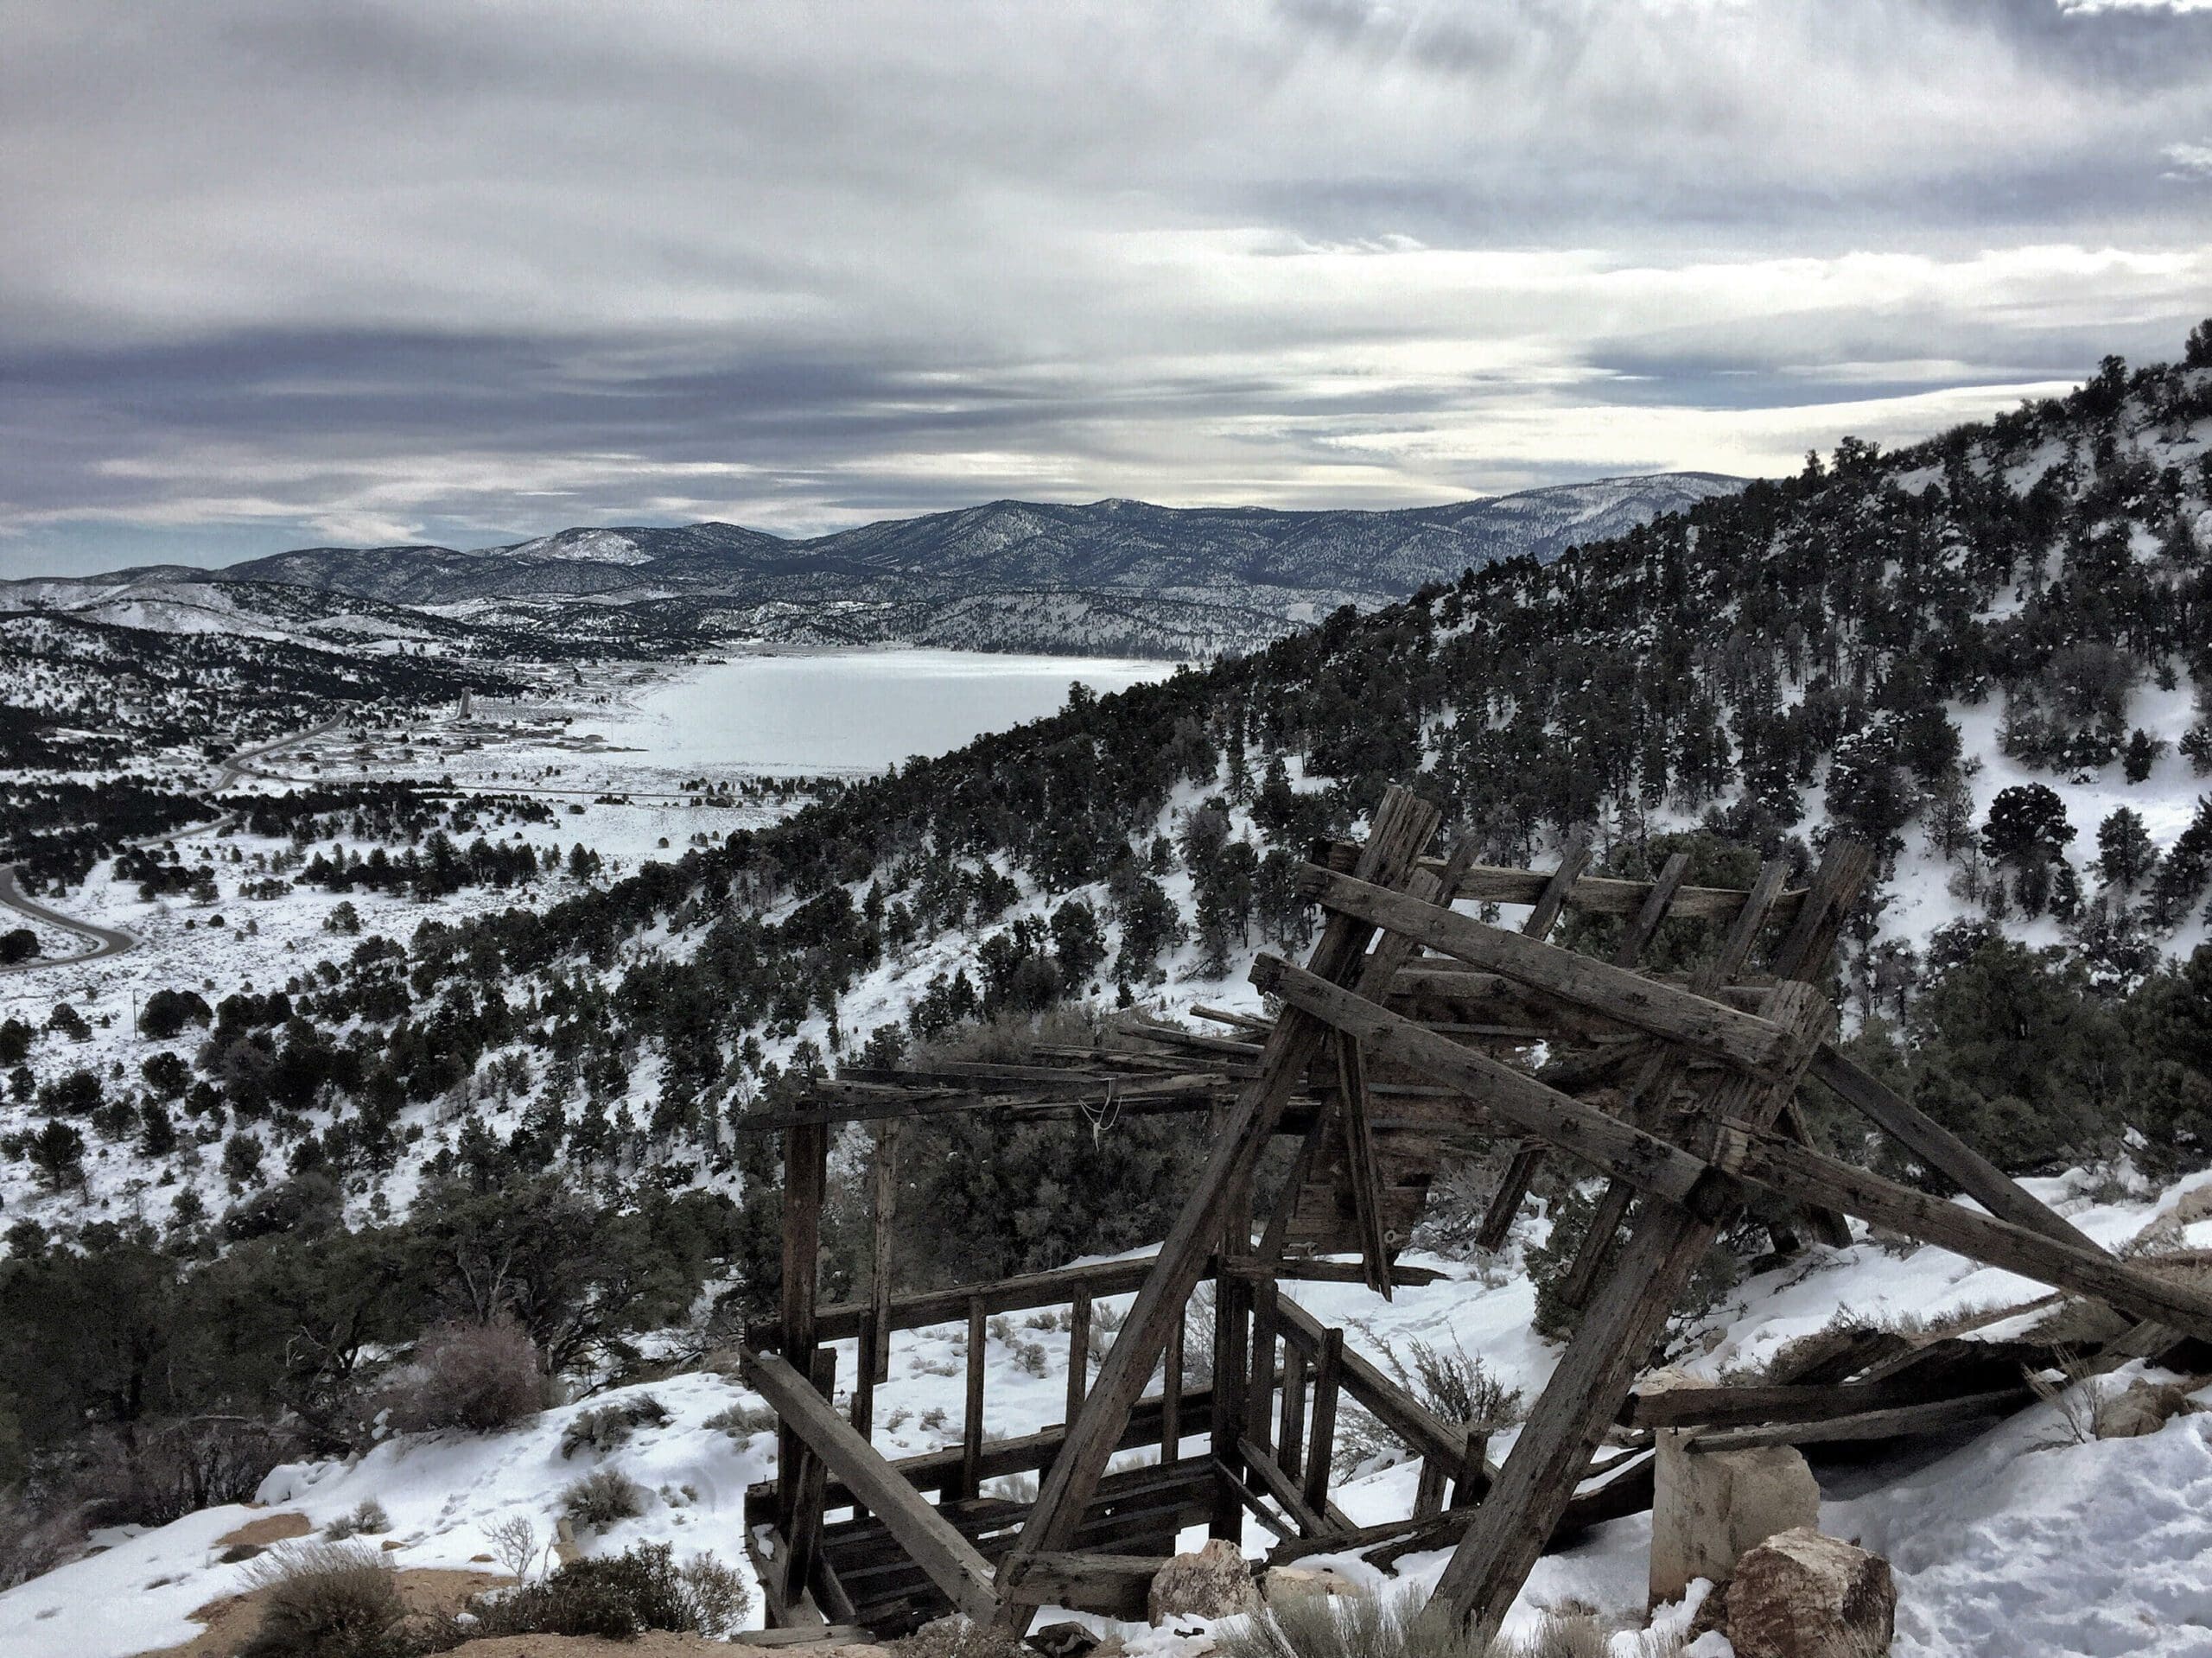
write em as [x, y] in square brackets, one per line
[114, 940]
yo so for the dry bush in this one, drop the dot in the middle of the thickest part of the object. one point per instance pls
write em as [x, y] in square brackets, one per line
[955, 1637]
[619, 1598]
[475, 1376]
[34, 1540]
[742, 1421]
[367, 1519]
[1455, 1384]
[603, 1429]
[514, 1543]
[602, 1497]
[326, 1600]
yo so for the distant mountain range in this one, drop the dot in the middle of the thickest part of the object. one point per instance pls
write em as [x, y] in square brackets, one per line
[1113, 576]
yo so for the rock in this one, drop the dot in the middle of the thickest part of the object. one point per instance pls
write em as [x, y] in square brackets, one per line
[1709, 1506]
[1284, 1583]
[2141, 1408]
[1213, 1583]
[1066, 1639]
[1802, 1594]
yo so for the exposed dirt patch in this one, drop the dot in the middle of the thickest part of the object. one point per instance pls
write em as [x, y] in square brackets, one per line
[268, 1528]
[231, 1620]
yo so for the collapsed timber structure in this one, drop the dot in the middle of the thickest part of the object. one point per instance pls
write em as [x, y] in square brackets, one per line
[1404, 1041]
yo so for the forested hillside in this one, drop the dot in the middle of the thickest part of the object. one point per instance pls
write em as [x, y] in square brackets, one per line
[1989, 654]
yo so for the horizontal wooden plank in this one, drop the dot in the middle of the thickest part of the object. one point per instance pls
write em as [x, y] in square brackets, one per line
[1111, 1585]
[1025, 1291]
[1897, 1423]
[1599, 894]
[1747, 1407]
[952, 1562]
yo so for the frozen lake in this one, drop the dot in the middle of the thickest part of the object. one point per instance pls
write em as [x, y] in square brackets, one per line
[848, 711]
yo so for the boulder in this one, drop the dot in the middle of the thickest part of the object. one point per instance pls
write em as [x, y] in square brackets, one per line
[2142, 1407]
[1802, 1594]
[1215, 1581]
[1710, 1506]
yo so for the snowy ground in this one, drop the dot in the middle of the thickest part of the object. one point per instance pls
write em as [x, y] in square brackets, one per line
[2010, 1541]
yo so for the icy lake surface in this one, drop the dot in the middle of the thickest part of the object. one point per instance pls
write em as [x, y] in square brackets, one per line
[849, 711]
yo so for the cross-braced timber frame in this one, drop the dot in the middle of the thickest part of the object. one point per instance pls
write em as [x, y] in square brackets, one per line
[1404, 1038]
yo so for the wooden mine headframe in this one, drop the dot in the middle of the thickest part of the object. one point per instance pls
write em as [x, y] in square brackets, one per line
[1386, 1056]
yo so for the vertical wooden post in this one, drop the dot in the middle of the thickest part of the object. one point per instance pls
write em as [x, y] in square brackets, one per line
[1232, 1304]
[1321, 1449]
[971, 1429]
[1078, 1352]
[1260, 1397]
[1290, 1434]
[1472, 1484]
[806, 1163]
[863, 1413]
[803, 1537]
[1171, 1396]
[1429, 1495]
[884, 1201]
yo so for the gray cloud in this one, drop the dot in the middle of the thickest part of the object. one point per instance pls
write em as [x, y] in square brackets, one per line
[277, 274]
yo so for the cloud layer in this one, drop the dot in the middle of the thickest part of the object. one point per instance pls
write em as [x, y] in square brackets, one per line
[278, 274]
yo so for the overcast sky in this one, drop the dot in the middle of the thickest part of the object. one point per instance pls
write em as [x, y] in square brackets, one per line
[283, 273]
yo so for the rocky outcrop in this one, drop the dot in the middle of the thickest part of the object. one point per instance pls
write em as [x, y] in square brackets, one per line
[1804, 1595]
[1215, 1581]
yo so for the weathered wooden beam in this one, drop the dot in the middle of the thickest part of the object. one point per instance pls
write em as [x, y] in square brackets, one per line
[951, 1561]
[1170, 1396]
[1509, 1096]
[1422, 1431]
[1662, 1073]
[802, 1551]
[1298, 1269]
[1521, 1170]
[1532, 1491]
[1078, 1352]
[1755, 1405]
[1290, 1430]
[1321, 1446]
[1599, 894]
[1402, 829]
[1744, 1040]
[1896, 1422]
[971, 1424]
[1796, 1172]
[1359, 1164]
[883, 1211]
[1942, 1150]
[1110, 1585]
[806, 1173]
[841, 1320]
[1276, 1482]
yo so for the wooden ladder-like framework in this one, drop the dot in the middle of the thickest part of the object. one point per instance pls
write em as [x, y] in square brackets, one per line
[1404, 1036]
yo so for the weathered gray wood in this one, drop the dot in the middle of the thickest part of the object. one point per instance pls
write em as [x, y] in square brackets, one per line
[1509, 1096]
[1359, 1164]
[971, 1427]
[1422, 1431]
[1286, 1491]
[825, 1635]
[1317, 1270]
[1894, 1423]
[1521, 1170]
[1663, 1072]
[1320, 1448]
[1403, 827]
[806, 1159]
[1531, 1492]
[1607, 895]
[1743, 1039]
[884, 1207]
[1636, 937]
[1290, 1430]
[843, 1321]
[1940, 1149]
[1796, 1172]
[1756, 1405]
[1078, 1353]
[951, 1561]
[803, 1544]
[1110, 1586]
[1260, 1366]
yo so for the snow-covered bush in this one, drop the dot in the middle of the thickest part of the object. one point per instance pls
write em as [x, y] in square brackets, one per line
[603, 1428]
[602, 1497]
[620, 1597]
